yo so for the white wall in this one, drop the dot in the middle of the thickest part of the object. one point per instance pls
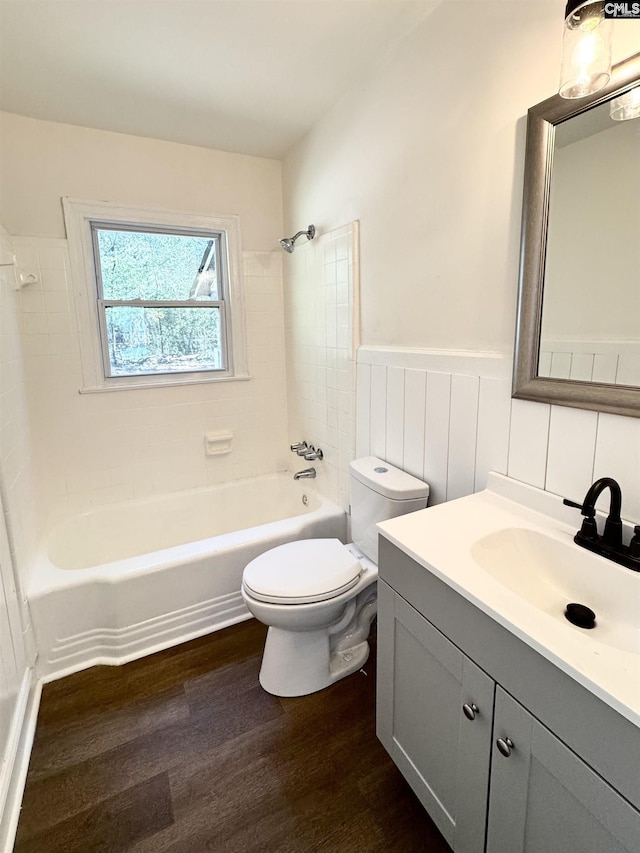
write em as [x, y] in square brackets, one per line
[593, 295]
[93, 449]
[428, 154]
[40, 161]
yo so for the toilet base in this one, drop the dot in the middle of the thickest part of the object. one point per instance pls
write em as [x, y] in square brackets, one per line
[297, 663]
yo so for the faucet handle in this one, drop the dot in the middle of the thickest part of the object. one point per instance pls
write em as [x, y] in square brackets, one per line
[589, 529]
[298, 446]
[565, 501]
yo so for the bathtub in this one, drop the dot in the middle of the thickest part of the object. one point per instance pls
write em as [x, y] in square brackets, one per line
[116, 583]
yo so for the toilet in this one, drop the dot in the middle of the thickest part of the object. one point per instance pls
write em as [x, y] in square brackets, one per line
[318, 596]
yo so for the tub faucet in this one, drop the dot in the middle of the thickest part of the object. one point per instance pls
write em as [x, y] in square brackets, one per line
[306, 474]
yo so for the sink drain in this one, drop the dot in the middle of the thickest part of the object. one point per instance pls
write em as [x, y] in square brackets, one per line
[580, 615]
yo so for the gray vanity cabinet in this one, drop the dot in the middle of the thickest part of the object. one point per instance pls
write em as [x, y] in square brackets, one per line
[571, 780]
[427, 687]
[544, 799]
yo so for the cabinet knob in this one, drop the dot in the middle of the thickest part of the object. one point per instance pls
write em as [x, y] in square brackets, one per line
[505, 745]
[470, 710]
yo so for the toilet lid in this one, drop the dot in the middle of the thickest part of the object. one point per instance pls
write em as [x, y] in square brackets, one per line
[302, 572]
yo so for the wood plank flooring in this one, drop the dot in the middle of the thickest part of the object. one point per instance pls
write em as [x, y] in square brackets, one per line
[183, 752]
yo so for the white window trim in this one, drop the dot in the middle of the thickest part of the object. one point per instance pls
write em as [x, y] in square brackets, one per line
[78, 217]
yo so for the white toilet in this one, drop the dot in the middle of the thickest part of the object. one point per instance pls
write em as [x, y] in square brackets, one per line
[318, 596]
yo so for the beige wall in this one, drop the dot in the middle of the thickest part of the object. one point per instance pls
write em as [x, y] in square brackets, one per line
[41, 161]
[428, 154]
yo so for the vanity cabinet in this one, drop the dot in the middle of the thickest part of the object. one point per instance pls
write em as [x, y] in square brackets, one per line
[569, 779]
[544, 799]
[426, 682]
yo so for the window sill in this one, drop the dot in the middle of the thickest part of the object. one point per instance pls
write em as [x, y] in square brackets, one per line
[137, 386]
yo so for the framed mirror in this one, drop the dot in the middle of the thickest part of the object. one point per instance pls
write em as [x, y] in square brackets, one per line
[578, 324]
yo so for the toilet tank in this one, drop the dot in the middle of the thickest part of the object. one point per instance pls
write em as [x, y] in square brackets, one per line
[380, 491]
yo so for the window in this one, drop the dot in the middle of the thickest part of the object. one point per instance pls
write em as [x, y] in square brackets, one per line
[158, 296]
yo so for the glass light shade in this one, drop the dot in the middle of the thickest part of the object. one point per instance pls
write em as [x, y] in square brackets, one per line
[627, 106]
[586, 51]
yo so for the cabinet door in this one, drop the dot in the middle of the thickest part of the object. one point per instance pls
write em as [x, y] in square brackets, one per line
[423, 683]
[544, 799]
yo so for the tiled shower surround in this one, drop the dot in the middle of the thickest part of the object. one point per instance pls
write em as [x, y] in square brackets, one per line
[99, 448]
[322, 323]
[18, 490]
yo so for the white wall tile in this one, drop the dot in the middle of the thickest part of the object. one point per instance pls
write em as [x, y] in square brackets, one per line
[436, 435]
[321, 374]
[394, 453]
[570, 459]
[528, 440]
[494, 416]
[463, 427]
[618, 456]
[415, 391]
[363, 408]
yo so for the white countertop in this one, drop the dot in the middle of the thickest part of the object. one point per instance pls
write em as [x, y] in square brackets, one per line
[441, 539]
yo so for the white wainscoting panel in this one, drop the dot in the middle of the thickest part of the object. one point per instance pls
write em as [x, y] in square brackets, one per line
[572, 441]
[395, 416]
[378, 418]
[528, 442]
[415, 396]
[436, 435]
[463, 430]
[494, 418]
[449, 419]
[617, 455]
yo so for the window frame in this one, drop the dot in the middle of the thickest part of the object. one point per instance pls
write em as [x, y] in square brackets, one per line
[83, 219]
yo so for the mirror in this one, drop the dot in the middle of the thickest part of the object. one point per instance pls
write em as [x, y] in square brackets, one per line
[578, 328]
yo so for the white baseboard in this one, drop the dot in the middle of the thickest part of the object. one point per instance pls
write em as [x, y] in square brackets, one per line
[16, 765]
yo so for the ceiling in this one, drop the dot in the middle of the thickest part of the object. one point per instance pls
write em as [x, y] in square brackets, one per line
[250, 76]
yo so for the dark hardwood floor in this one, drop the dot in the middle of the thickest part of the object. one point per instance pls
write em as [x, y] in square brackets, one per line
[183, 752]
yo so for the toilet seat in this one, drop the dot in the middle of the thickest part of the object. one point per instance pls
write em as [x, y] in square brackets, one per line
[302, 572]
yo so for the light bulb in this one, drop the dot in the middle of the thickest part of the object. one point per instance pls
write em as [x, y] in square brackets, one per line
[627, 106]
[586, 51]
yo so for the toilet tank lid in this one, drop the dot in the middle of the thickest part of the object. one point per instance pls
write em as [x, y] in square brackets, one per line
[387, 480]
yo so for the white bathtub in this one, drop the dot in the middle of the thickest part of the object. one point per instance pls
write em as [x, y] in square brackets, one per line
[119, 582]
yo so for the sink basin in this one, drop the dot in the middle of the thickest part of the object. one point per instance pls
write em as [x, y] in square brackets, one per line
[549, 573]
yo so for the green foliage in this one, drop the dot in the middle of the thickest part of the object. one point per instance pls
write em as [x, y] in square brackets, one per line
[152, 267]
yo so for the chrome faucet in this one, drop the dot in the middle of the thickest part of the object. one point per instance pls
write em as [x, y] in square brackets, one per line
[313, 453]
[610, 543]
[306, 474]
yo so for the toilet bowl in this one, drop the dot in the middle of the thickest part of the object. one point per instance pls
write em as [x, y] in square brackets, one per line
[318, 596]
[318, 632]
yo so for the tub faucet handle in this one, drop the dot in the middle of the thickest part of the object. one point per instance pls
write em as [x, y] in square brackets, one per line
[313, 453]
[300, 448]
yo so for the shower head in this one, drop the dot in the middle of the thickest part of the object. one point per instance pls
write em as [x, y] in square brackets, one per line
[288, 243]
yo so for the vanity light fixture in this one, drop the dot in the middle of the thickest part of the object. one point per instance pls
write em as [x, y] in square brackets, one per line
[586, 49]
[627, 106]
